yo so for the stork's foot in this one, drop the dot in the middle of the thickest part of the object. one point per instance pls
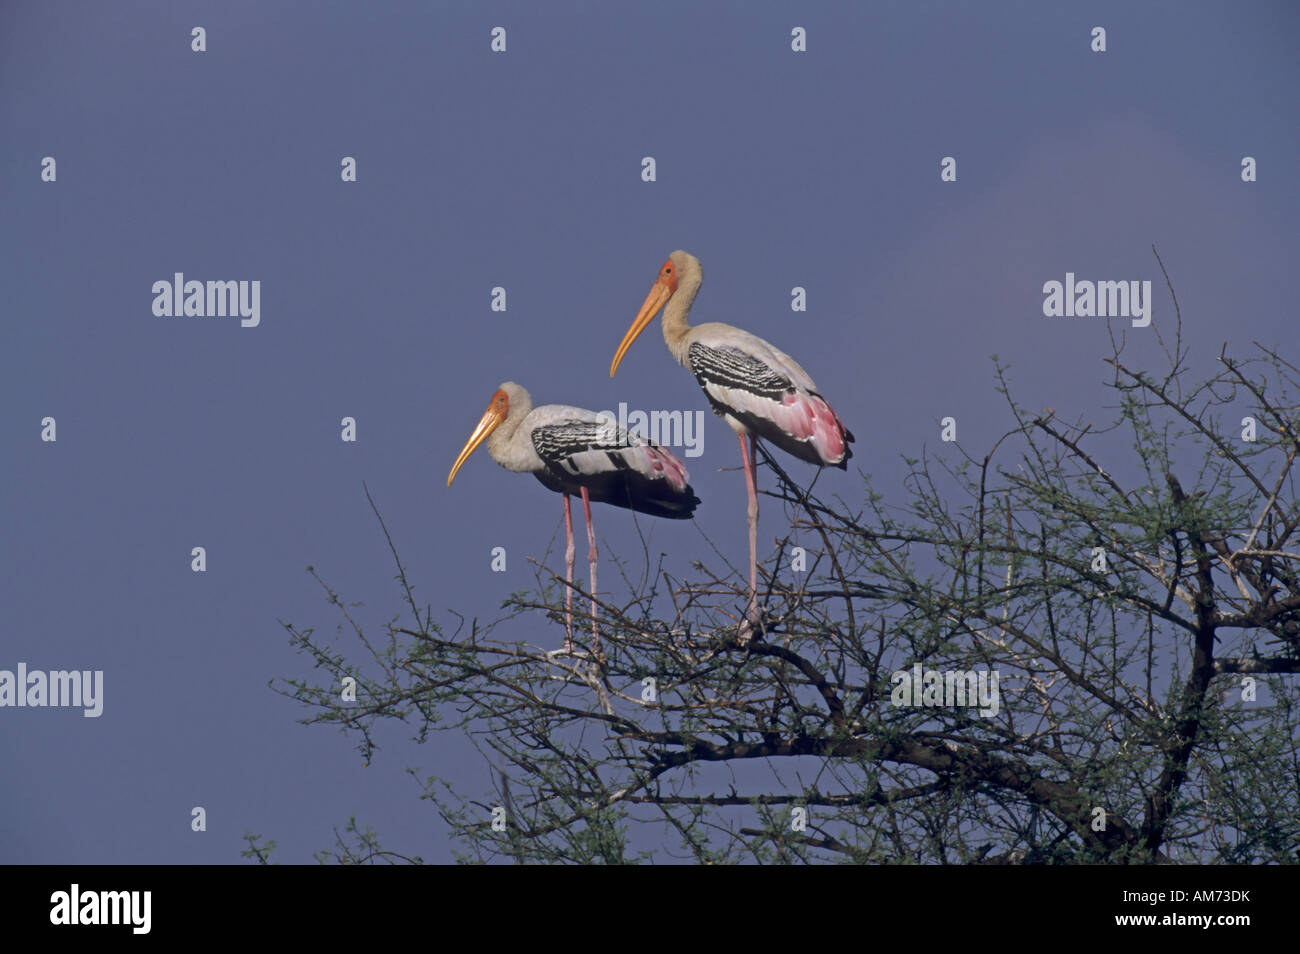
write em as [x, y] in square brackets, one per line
[751, 626]
[745, 632]
[575, 652]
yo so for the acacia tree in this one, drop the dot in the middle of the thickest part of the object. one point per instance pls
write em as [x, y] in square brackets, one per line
[1133, 586]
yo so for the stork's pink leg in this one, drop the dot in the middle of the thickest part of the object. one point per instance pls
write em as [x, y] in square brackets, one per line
[591, 564]
[568, 576]
[748, 456]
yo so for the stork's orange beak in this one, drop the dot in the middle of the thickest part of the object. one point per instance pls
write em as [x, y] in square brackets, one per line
[489, 422]
[653, 302]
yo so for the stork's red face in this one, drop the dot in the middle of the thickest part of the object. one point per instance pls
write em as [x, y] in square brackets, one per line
[663, 289]
[496, 412]
[668, 276]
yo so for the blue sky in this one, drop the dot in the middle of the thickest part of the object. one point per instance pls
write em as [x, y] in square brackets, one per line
[523, 170]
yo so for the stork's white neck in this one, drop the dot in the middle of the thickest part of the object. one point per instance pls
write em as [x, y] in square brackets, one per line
[676, 328]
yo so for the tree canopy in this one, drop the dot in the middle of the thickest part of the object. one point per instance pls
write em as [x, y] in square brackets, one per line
[1127, 591]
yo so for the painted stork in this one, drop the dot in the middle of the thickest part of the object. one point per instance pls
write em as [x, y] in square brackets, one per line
[758, 389]
[575, 451]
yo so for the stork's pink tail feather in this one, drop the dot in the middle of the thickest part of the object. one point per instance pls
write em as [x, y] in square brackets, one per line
[808, 417]
[666, 464]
